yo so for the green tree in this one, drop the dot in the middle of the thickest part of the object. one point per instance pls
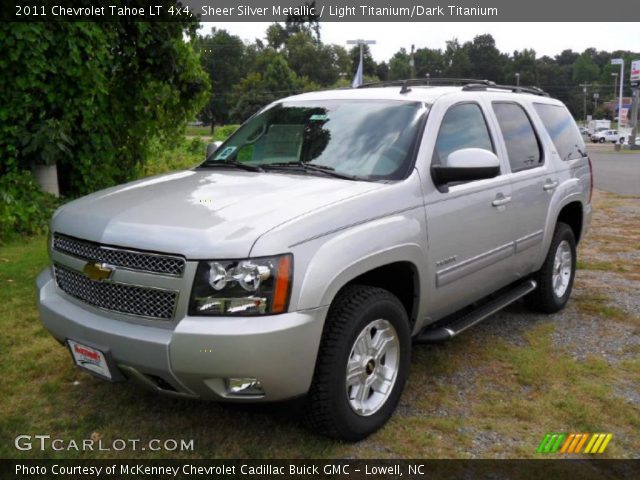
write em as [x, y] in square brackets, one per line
[257, 90]
[429, 61]
[584, 70]
[486, 60]
[91, 96]
[456, 60]
[399, 67]
[223, 57]
[369, 62]
[314, 60]
[523, 63]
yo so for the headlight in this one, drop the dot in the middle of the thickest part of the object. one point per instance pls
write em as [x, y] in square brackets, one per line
[256, 286]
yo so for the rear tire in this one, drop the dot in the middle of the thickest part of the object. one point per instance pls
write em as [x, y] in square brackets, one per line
[555, 278]
[362, 364]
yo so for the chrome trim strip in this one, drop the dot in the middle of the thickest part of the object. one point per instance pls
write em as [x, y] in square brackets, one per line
[528, 241]
[472, 265]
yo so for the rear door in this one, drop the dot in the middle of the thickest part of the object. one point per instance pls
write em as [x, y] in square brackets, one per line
[470, 239]
[532, 178]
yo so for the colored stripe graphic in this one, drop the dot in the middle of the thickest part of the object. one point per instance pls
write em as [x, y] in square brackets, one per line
[551, 443]
[598, 443]
[573, 443]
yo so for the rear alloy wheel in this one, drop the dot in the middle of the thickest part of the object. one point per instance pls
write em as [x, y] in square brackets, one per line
[362, 364]
[555, 278]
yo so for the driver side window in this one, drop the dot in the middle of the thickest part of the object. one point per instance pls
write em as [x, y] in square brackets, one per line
[463, 126]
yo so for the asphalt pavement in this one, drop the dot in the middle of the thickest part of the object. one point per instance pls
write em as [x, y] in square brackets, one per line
[616, 172]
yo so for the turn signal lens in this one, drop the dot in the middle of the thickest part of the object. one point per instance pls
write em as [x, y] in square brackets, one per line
[283, 285]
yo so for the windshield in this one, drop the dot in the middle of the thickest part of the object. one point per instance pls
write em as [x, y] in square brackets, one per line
[365, 139]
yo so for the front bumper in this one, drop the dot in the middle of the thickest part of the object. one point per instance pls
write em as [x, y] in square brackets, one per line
[195, 357]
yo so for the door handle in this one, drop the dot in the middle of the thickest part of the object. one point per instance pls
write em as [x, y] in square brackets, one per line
[550, 185]
[501, 200]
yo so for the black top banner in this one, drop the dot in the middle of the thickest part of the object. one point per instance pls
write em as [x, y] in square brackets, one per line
[325, 10]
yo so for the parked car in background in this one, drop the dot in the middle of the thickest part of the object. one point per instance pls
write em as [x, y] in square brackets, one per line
[607, 136]
[584, 131]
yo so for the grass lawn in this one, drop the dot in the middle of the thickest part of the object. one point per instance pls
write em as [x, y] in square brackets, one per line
[492, 392]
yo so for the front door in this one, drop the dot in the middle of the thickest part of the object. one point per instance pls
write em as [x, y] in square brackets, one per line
[470, 239]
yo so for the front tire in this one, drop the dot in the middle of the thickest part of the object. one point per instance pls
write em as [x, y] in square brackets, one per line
[602, 140]
[555, 278]
[362, 364]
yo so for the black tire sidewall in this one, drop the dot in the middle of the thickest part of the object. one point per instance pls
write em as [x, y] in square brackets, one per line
[354, 426]
[562, 233]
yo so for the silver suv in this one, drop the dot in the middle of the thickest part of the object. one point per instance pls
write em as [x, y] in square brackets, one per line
[314, 246]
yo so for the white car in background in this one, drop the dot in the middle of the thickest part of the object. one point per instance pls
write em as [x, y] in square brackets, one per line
[607, 136]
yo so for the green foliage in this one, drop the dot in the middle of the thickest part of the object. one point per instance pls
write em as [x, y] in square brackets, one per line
[257, 90]
[24, 208]
[223, 58]
[92, 96]
[224, 132]
[182, 155]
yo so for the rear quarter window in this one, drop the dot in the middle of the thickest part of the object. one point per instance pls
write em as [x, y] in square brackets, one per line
[562, 129]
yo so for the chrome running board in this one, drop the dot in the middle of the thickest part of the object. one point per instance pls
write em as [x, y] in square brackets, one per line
[458, 324]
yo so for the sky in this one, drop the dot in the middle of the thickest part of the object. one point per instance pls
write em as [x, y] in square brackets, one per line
[545, 38]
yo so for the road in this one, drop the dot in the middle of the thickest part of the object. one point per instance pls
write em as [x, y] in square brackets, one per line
[616, 172]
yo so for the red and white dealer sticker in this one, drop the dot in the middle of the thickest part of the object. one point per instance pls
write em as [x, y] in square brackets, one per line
[89, 358]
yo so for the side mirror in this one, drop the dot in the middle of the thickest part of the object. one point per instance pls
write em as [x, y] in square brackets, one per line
[212, 147]
[465, 165]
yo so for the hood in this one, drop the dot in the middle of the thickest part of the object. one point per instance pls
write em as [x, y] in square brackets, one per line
[200, 213]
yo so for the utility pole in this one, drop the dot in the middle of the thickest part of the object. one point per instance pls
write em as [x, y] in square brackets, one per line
[361, 43]
[635, 89]
[615, 83]
[619, 61]
[412, 62]
[596, 96]
[584, 93]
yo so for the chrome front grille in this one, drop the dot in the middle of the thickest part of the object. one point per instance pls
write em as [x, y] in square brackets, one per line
[118, 297]
[130, 259]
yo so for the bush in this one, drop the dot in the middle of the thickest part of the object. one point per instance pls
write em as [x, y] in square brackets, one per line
[93, 96]
[183, 155]
[24, 208]
[224, 132]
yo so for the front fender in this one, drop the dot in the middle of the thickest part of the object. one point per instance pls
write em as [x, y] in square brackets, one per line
[345, 255]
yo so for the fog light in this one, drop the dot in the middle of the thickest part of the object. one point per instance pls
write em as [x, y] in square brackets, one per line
[244, 386]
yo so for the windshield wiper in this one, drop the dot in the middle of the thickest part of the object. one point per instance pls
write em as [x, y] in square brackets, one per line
[232, 163]
[326, 169]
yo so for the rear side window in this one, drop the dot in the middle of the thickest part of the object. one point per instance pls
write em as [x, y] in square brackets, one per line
[519, 136]
[562, 129]
[463, 126]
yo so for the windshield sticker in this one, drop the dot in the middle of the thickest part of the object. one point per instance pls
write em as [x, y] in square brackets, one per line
[318, 117]
[223, 155]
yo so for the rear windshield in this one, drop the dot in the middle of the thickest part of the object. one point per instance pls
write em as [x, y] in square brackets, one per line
[562, 129]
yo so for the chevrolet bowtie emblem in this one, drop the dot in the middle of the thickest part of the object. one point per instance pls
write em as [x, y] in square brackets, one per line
[98, 271]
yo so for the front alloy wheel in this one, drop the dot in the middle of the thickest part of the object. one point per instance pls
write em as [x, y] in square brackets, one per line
[372, 367]
[362, 364]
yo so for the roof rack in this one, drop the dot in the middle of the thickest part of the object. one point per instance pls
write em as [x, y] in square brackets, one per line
[426, 82]
[468, 85]
[478, 87]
